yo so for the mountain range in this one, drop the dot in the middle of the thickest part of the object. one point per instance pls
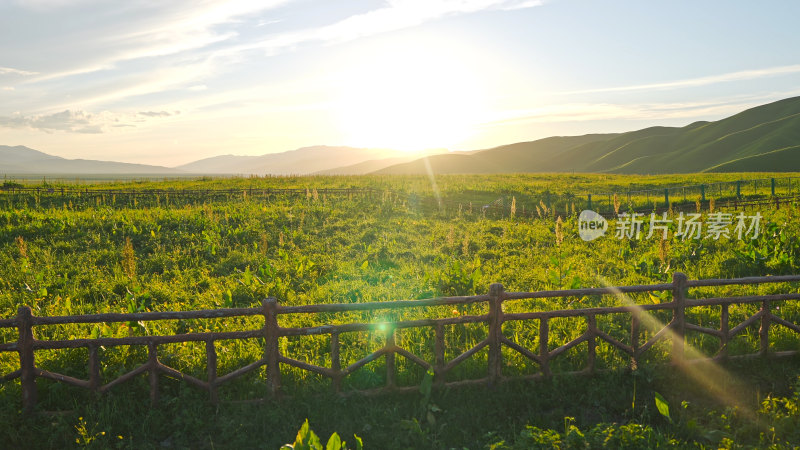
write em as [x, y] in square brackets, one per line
[765, 138]
[20, 160]
[321, 159]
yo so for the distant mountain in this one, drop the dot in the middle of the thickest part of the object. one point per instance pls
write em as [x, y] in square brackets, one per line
[319, 159]
[23, 160]
[219, 164]
[373, 165]
[306, 160]
[764, 138]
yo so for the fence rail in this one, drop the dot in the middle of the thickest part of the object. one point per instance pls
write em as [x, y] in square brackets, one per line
[27, 345]
[250, 191]
[726, 194]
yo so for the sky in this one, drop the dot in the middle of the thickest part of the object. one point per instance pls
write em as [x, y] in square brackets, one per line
[170, 82]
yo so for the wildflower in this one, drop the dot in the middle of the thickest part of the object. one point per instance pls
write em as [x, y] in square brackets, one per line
[559, 231]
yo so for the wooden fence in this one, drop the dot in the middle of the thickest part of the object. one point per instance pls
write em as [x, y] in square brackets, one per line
[206, 193]
[27, 345]
[557, 205]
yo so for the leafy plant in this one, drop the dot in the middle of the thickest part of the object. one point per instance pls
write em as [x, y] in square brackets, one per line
[307, 440]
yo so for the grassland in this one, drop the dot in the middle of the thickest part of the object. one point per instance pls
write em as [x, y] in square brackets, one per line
[84, 254]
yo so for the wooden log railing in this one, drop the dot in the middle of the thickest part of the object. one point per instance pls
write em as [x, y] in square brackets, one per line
[27, 345]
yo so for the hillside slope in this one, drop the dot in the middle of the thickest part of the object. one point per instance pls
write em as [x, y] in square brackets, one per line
[520, 157]
[764, 138]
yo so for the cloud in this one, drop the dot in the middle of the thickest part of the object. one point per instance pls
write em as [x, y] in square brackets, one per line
[701, 81]
[72, 121]
[92, 129]
[523, 5]
[580, 112]
[262, 23]
[155, 113]
[144, 30]
[66, 121]
[82, 122]
[12, 71]
[154, 47]
[49, 5]
[399, 14]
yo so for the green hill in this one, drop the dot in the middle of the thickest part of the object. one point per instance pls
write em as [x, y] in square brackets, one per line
[765, 138]
[519, 157]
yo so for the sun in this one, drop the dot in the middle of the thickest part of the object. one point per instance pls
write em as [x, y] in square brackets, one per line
[408, 99]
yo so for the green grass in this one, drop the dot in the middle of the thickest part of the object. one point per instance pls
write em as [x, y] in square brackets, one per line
[68, 256]
[764, 412]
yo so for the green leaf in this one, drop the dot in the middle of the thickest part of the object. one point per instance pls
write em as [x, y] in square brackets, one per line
[228, 299]
[427, 383]
[554, 277]
[662, 406]
[359, 444]
[365, 265]
[306, 439]
[431, 418]
[334, 443]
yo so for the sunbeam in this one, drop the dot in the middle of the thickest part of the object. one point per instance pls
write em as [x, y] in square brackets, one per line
[697, 366]
[434, 186]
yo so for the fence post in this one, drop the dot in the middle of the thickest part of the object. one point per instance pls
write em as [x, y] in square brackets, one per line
[495, 331]
[678, 316]
[725, 329]
[666, 197]
[390, 357]
[211, 368]
[94, 367]
[271, 352]
[591, 327]
[336, 363]
[544, 352]
[438, 354]
[152, 361]
[763, 331]
[739, 189]
[27, 363]
[702, 192]
[635, 325]
[772, 185]
[589, 199]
